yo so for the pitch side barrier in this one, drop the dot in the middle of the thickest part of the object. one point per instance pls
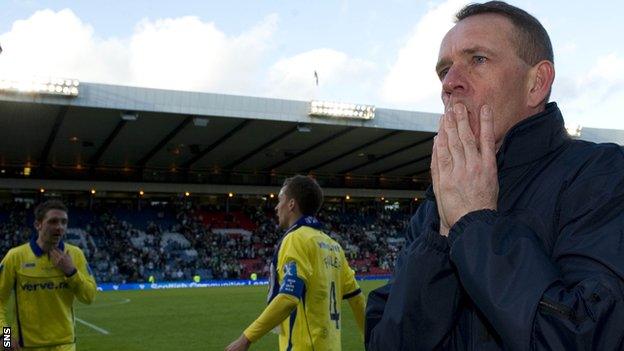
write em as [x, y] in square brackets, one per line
[206, 284]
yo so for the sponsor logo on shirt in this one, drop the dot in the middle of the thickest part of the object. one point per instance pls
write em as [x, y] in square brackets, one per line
[28, 265]
[43, 286]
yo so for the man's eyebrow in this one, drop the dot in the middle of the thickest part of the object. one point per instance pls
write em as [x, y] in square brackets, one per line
[442, 63]
[468, 51]
[477, 49]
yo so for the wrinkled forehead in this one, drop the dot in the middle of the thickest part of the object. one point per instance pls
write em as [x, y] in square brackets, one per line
[484, 30]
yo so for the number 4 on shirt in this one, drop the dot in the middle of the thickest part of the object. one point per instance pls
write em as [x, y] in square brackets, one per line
[334, 315]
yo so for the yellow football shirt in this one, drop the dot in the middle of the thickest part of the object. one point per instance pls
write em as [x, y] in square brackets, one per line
[44, 296]
[313, 267]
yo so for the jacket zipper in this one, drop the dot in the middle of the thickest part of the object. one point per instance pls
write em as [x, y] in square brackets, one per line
[561, 310]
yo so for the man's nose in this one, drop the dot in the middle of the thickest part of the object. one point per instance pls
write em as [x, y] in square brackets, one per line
[454, 81]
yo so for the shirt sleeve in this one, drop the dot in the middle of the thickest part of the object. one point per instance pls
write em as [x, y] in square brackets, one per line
[350, 287]
[278, 310]
[82, 281]
[294, 266]
[7, 280]
[358, 306]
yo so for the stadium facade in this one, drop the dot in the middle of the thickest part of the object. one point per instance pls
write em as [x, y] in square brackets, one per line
[126, 139]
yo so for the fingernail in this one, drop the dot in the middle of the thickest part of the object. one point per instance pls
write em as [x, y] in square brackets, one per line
[486, 110]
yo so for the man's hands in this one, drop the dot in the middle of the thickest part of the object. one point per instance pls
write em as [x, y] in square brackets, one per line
[240, 344]
[463, 169]
[62, 260]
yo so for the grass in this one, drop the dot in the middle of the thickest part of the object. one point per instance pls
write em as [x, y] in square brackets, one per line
[184, 319]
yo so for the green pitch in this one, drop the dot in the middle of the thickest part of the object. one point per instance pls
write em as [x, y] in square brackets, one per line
[183, 319]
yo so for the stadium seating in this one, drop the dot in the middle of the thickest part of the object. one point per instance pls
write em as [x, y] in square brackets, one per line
[176, 243]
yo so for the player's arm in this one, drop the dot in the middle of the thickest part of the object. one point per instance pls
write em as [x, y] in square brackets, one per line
[7, 281]
[81, 281]
[291, 290]
[353, 293]
[357, 303]
[278, 310]
[294, 262]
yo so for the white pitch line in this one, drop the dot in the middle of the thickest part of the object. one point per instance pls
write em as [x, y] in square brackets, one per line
[103, 304]
[103, 331]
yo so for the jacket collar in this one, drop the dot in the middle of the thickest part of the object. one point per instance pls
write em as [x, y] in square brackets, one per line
[39, 251]
[532, 138]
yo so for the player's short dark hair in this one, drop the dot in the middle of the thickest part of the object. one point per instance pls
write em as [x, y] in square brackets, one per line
[531, 39]
[42, 209]
[306, 192]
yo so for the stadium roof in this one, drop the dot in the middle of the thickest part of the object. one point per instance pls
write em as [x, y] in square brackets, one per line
[130, 134]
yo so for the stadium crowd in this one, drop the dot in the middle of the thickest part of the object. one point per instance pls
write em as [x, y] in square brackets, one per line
[178, 242]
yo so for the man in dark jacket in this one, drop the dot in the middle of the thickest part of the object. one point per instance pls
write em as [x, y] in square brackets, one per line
[520, 244]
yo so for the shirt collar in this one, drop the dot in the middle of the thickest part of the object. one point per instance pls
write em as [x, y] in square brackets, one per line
[39, 251]
[308, 221]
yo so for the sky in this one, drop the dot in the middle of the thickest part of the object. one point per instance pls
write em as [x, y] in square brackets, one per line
[367, 51]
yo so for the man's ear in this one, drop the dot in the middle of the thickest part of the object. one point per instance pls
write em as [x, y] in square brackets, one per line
[37, 225]
[541, 77]
[292, 204]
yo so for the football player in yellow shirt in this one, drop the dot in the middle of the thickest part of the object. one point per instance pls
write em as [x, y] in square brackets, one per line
[310, 277]
[46, 274]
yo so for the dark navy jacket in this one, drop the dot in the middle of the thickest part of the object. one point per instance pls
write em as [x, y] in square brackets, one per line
[543, 272]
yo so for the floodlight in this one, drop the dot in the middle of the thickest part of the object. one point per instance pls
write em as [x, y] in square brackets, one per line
[574, 130]
[200, 122]
[129, 115]
[53, 86]
[303, 128]
[341, 110]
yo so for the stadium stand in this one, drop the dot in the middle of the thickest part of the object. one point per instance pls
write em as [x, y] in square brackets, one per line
[178, 242]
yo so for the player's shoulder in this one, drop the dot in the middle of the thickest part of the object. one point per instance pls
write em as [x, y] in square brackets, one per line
[301, 234]
[323, 241]
[17, 250]
[327, 243]
[310, 236]
[20, 249]
[16, 253]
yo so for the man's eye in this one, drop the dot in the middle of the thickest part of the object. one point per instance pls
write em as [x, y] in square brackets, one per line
[442, 73]
[479, 59]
